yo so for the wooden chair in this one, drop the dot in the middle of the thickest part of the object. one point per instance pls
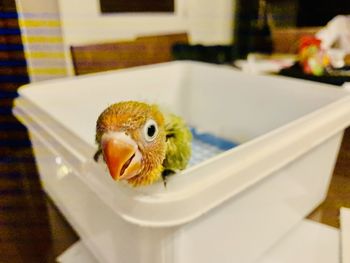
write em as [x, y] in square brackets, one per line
[144, 50]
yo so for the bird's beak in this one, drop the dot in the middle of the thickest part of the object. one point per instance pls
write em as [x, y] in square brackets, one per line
[121, 155]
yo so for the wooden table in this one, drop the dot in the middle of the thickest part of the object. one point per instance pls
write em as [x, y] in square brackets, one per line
[339, 191]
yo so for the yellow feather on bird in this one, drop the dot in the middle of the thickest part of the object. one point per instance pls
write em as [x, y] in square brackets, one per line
[140, 144]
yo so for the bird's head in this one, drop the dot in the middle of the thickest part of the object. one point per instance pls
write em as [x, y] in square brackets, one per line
[132, 138]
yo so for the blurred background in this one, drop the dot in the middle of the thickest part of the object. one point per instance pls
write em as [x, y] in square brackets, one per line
[49, 39]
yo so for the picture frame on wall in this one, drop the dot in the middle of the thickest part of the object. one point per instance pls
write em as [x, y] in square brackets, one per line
[137, 6]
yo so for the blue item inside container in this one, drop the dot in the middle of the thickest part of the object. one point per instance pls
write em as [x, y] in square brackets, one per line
[206, 146]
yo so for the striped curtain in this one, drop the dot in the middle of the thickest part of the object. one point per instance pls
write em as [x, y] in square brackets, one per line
[43, 44]
[23, 213]
[13, 74]
[13, 67]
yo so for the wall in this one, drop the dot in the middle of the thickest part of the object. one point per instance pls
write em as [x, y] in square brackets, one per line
[42, 38]
[207, 21]
[87, 25]
[210, 22]
[50, 27]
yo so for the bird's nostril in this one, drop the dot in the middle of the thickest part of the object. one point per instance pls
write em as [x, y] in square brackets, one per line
[126, 165]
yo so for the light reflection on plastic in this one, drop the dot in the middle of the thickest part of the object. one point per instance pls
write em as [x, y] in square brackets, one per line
[58, 160]
[63, 171]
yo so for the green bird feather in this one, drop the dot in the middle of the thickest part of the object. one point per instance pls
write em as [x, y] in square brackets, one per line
[178, 143]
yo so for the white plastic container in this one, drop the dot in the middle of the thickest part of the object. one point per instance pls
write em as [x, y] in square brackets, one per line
[231, 208]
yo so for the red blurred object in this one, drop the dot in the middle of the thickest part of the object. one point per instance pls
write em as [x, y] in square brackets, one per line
[311, 56]
[306, 41]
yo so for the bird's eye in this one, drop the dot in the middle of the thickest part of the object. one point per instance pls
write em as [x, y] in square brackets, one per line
[150, 130]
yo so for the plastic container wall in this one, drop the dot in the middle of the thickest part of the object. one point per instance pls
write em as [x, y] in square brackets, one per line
[230, 208]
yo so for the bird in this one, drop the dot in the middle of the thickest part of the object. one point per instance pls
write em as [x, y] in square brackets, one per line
[142, 144]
